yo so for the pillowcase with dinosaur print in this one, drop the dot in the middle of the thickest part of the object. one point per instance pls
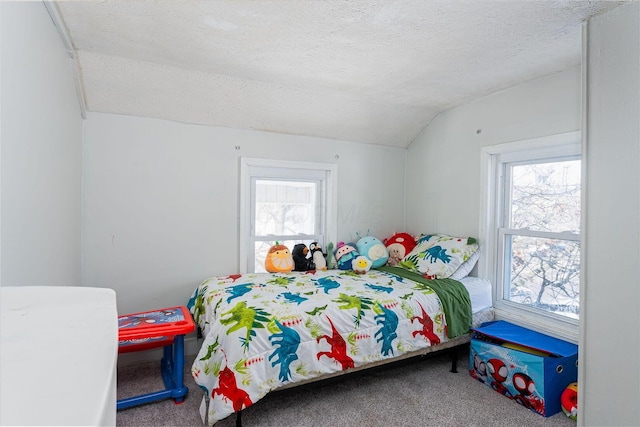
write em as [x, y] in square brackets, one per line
[438, 256]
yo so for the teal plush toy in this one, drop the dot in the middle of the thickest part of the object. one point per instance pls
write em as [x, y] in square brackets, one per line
[373, 249]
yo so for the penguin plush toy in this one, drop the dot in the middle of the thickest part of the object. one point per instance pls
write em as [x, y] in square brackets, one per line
[300, 260]
[317, 256]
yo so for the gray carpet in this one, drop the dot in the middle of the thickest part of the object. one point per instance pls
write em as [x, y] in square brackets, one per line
[421, 392]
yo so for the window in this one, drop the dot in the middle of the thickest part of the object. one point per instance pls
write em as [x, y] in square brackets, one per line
[532, 230]
[284, 202]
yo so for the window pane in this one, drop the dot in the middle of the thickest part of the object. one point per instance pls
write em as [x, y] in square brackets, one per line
[546, 196]
[262, 248]
[285, 207]
[543, 273]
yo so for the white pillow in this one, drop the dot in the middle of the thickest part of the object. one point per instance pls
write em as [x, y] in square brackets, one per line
[466, 267]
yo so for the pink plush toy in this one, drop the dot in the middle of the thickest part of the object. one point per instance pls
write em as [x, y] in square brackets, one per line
[399, 245]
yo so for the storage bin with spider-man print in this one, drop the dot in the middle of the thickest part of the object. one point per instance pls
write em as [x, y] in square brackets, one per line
[526, 366]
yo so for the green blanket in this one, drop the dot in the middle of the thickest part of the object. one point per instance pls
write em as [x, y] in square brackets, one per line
[453, 295]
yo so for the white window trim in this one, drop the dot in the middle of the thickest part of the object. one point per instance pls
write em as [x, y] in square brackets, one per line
[247, 165]
[488, 267]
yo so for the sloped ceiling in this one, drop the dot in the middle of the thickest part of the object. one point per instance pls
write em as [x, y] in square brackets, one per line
[371, 71]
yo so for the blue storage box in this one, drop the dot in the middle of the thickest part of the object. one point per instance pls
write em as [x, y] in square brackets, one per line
[526, 366]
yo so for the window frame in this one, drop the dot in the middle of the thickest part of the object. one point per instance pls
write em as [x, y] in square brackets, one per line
[491, 266]
[254, 168]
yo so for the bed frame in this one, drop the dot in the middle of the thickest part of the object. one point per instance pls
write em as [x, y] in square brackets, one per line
[452, 346]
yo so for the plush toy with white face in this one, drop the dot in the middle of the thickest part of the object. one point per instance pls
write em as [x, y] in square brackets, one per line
[345, 254]
[374, 249]
[361, 264]
[399, 245]
[317, 256]
[279, 259]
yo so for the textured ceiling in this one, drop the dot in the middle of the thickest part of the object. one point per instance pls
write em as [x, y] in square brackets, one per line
[372, 71]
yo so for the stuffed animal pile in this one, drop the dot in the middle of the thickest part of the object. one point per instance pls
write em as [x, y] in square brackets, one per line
[368, 252]
[301, 258]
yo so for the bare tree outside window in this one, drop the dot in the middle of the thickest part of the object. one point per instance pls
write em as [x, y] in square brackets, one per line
[544, 270]
[284, 210]
[287, 202]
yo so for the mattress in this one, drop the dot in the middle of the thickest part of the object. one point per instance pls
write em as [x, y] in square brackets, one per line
[479, 292]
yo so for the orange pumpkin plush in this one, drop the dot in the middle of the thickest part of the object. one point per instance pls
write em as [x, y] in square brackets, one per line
[279, 259]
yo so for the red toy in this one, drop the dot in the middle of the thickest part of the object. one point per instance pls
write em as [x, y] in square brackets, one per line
[399, 245]
[569, 401]
[164, 328]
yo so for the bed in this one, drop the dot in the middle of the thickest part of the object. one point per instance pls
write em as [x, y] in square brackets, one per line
[268, 331]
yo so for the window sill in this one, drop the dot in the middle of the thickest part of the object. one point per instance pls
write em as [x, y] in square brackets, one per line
[554, 328]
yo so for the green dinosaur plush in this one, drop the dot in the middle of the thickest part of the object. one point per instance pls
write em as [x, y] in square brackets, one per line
[332, 263]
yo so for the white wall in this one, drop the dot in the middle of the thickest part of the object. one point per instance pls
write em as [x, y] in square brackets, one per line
[161, 200]
[443, 163]
[609, 391]
[41, 152]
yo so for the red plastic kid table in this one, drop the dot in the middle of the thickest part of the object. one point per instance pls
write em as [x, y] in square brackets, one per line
[152, 329]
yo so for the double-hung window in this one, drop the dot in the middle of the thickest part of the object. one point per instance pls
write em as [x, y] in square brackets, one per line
[532, 230]
[284, 202]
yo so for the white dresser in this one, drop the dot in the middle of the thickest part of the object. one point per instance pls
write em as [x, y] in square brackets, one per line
[58, 355]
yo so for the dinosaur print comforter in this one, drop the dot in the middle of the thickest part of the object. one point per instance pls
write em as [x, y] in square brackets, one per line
[264, 330]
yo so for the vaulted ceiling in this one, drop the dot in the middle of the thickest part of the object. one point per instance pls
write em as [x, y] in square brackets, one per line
[371, 71]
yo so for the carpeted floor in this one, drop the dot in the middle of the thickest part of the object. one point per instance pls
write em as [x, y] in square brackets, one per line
[421, 392]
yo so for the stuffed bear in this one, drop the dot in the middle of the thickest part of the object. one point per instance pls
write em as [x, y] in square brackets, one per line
[374, 249]
[399, 245]
[279, 259]
[300, 260]
[317, 256]
[345, 254]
